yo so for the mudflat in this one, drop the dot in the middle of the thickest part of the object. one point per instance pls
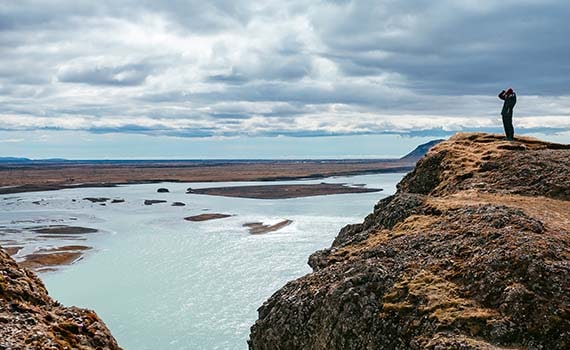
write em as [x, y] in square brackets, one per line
[207, 217]
[45, 257]
[49, 259]
[12, 250]
[40, 261]
[63, 229]
[256, 228]
[282, 191]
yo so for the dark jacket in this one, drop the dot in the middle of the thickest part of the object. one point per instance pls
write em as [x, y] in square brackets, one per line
[510, 102]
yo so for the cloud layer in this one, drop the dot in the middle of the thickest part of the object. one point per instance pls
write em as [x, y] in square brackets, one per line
[296, 68]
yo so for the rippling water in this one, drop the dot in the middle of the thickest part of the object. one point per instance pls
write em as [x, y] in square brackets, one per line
[160, 282]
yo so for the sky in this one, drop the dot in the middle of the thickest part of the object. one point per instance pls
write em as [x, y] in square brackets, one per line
[274, 79]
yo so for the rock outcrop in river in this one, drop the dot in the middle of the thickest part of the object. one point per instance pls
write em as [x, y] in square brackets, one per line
[472, 252]
[30, 319]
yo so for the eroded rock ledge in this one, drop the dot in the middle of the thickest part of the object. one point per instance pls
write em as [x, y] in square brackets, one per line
[472, 252]
[30, 319]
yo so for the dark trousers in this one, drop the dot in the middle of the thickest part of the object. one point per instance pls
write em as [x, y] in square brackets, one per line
[508, 124]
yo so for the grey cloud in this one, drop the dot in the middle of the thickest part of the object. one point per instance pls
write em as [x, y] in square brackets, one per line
[368, 96]
[237, 131]
[242, 67]
[230, 115]
[124, 75]
[31, 15]
[136, 129]
[290, 45]
[268, 67]
[202, 16]
[194, 15]
[361, 94]
[231, 78]
[18, 75]
[446, 48]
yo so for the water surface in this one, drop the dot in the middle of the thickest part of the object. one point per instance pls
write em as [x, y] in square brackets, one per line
[160, 282]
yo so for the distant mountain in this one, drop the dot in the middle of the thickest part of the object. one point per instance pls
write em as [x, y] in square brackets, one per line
[14, 160]
[28, 160]
[420, 151]
[52, 160]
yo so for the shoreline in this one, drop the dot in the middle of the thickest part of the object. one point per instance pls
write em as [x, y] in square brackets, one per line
[22, 179]
[44, 259]
[263, 229]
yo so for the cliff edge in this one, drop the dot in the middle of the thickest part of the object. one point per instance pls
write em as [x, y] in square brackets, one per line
[30, 319]
[472, 252]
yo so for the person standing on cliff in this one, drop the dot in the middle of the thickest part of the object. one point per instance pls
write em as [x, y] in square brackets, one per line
[510, 99]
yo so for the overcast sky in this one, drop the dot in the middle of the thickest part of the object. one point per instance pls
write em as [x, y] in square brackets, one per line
[203, 78]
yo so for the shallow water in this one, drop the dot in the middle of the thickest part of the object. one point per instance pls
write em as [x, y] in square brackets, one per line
[160, 282]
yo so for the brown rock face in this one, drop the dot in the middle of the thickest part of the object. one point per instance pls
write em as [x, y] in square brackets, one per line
[472, 252]
[30, 319]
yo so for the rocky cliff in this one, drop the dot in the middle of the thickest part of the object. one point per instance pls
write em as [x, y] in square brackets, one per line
[30, 319]
[472, 252]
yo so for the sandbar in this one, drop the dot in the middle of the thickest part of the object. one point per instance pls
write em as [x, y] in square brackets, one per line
[45, 259]
[153, 201]
[65, 230]
[38, 261]
[12, 250]
[256, 228]
[207, 217]
[282, 191]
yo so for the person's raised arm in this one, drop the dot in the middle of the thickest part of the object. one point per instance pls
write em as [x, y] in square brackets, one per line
[502, 95]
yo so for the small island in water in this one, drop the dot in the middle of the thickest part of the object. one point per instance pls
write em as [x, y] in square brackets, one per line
[282, 191]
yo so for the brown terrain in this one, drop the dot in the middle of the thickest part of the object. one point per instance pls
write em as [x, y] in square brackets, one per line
[206, 217]
[16, 178]
[13, 250]
[281, 191]
[256, 228]
[472, 252]
[47, 259]
[30, 319]
[63, 229]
